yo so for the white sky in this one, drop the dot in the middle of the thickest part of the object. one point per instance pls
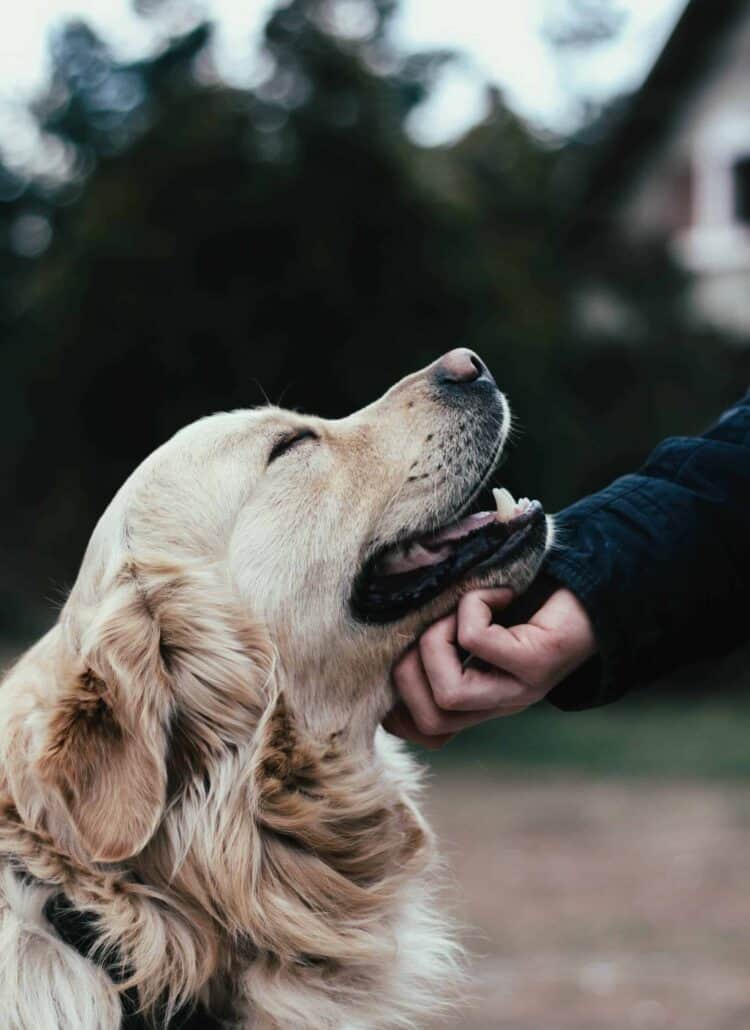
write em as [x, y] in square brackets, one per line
[501, 40]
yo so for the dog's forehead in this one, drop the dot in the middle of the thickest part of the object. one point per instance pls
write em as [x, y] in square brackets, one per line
[378, 433]
[230, 430]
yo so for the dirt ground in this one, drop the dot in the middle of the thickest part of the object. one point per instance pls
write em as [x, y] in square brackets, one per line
[600, 906]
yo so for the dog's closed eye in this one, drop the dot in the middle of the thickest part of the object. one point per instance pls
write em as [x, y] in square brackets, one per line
[290, 440]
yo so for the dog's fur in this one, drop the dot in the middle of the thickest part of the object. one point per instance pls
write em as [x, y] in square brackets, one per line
[192, 755]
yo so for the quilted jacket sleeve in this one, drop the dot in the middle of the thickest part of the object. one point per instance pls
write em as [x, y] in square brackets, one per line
[661, 561]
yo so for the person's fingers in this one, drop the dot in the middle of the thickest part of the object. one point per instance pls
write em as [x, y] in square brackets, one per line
[567, 625]
[441, 661]
[497, 599]
[516, 650]
[442, 694]
[489, 690]
[400, 723]
[459, 688]
[430, 721]
[410, 680]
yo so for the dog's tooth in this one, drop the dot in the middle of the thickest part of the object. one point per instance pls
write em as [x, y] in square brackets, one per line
[504, 503]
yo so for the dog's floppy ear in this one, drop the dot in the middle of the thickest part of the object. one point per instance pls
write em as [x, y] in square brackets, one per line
[166, 661]
[107, 770]
[101, 756]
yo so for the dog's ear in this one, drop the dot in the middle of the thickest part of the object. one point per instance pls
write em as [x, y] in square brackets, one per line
[154, 684]
[105, 762]
[100, 745]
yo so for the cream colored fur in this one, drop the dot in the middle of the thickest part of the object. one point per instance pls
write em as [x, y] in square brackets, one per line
[192, 753]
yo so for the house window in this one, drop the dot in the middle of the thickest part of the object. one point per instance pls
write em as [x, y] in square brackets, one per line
[742, 190]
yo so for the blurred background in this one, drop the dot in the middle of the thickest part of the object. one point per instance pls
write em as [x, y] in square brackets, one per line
[207, 204]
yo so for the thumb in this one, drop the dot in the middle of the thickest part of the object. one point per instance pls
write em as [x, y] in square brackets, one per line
[507, 649]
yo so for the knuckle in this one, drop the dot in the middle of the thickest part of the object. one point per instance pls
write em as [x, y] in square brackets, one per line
[400, 676]
[430, 639]
[432, 725]
[528, 694]
[536, 677]
[468, 637]
[447, 697]
[538, 692]
[515, 693]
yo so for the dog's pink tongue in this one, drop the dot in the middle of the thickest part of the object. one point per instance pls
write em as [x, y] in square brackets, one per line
[432, 549]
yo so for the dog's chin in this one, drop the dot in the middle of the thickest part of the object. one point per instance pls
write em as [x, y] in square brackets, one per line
[422, 578]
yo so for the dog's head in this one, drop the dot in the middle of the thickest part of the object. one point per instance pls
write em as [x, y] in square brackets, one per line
[354, 534]
[264, 552]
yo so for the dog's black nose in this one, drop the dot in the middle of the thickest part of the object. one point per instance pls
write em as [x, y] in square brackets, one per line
[461, 366]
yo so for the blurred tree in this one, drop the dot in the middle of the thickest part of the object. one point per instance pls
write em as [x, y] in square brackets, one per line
[224, 243]
[572, 29]
[572, 24]
[596, 348]
[211, 244]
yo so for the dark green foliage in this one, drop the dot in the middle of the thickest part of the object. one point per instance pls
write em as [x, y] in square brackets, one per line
[215, 245]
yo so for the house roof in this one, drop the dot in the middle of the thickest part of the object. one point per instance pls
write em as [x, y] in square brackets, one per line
[678, 71]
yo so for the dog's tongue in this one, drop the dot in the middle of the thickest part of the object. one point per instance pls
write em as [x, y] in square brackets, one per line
[435, 548]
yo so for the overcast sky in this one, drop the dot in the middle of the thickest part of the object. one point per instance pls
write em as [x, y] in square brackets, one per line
[500, 38]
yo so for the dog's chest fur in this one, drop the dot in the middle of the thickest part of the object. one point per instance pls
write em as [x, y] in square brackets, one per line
[310, 898]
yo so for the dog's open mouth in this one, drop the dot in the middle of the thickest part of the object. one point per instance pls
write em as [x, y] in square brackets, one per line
[401, 578]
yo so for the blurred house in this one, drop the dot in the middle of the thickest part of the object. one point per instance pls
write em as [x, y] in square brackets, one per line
[676, 169]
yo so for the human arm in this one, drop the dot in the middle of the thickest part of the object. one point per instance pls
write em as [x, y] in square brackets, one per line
[660, 560]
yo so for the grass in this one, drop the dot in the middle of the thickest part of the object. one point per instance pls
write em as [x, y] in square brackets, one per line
[698, 738]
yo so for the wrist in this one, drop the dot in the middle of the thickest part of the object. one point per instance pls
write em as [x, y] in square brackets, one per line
[578, 629]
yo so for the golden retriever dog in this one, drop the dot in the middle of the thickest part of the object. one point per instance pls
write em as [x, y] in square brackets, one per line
[191, 762]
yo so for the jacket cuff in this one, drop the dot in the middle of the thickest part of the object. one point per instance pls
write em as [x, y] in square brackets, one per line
[599, 680]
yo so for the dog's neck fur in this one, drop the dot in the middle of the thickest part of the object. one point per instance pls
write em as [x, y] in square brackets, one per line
[286, 869]
[304, 925]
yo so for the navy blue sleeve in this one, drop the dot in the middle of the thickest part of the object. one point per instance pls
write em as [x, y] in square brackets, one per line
[661, 561]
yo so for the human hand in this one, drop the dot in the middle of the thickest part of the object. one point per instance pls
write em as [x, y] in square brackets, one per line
[440, 694]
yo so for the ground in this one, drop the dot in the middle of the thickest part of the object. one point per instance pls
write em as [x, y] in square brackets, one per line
[620, 905]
